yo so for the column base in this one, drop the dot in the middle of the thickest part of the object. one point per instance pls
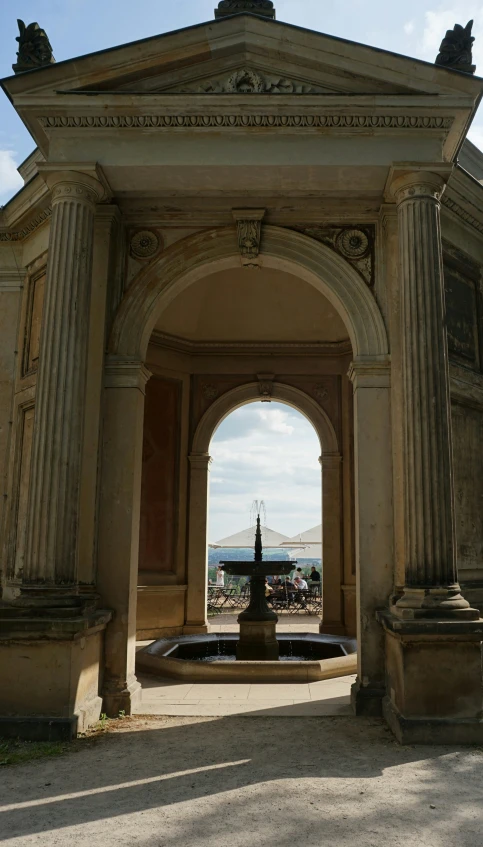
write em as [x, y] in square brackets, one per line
[366, 700]
[434, 691]
[196, 628]
[50, 669]
[446, 602]
[332, 628]
[117, 700]
[431, 731]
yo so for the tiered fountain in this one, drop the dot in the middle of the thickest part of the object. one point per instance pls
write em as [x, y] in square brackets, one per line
[258, 640]
[256, 654]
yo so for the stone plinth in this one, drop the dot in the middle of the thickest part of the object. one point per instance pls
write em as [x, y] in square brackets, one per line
[258, 641]
[50, 671]
[434, 691]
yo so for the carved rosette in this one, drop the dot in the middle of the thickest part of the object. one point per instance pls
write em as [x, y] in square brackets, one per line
[353, 243]
[145, 244]
[249, 233]
[209, 391]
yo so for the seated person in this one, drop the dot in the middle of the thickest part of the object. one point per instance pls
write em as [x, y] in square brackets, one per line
[300, 583]
[268, 588]
[277, 582]
[289, 588]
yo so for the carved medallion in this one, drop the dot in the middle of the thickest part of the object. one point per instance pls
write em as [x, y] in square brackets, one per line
[321, 392]
[145, 244]
[265, 387]
[353, 243]
[248, 81]
[209, 392]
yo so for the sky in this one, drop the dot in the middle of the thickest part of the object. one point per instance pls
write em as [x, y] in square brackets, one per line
[260, 451]
[413, 28]
[270, 452]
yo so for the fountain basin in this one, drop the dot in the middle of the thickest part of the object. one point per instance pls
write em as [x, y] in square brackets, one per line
[304, 657]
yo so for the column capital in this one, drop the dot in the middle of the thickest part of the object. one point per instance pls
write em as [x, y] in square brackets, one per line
[126, 373]
[72, 180]
[417, 185]
[330, 460]
[370, 373]
[200, 461]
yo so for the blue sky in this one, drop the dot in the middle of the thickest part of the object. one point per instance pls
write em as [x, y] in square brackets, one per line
[261, 451]
[414, 28]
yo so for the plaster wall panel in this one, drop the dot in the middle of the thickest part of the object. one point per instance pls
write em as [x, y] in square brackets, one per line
[10, 301]
[159, 492]
[26, 427]
[468, 475]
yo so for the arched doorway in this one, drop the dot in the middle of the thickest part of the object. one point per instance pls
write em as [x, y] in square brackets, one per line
[154, 294]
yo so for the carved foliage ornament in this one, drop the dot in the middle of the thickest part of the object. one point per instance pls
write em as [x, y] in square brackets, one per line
[237, 7]
[249, 231]
[353, 243]
[455, 52]
[34, 48]
[249, 81]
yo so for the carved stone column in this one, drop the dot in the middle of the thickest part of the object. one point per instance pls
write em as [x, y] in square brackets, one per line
[196, 598]
[431, 580]
[51, 546]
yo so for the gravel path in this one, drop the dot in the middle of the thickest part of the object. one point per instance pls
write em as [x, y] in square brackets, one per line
[246, 782]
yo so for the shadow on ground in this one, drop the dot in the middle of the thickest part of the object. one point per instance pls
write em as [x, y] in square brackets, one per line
[251, 780]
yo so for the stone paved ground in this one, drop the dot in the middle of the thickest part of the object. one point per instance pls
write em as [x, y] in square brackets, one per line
[246, 782]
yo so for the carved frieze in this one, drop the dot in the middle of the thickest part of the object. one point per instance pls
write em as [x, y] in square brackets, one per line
[358, 122]
[20, 234]
[249, 233]
[249, 81]
[354, 243]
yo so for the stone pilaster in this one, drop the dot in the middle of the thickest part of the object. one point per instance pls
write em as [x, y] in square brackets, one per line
[333, 570]
[196, 598]
[51, 557]
[431, 581]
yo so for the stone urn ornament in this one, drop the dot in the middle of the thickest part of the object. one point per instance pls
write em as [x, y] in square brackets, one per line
[237, 7]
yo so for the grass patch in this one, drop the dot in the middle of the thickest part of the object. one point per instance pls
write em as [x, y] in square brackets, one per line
[16, 752]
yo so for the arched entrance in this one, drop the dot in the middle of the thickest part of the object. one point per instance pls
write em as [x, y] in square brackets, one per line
[183, 265]
[200, 461]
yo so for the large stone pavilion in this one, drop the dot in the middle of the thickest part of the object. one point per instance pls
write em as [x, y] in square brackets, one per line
[237, 211]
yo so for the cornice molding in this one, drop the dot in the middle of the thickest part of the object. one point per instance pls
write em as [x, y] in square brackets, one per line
[28, 229]
[449, 203]
[356, 122]
[244, 348]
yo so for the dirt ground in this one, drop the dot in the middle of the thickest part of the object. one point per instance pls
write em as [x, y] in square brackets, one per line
[245, 782]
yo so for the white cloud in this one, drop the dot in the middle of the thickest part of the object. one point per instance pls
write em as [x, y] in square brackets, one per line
[10, 179]
[409, 27]
[276, 420]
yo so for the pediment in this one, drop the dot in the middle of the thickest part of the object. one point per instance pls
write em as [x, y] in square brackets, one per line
[244, 55]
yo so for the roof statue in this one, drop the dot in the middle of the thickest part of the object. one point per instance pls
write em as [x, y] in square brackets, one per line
[237, 7]
[455, 51]
[34, 48]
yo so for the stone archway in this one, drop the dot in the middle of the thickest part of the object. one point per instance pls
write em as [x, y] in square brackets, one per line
[200, 461]
[125, 375]
[194, 257]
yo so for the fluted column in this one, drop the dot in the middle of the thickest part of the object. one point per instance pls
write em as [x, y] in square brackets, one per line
[431, 580]
[51, 545]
